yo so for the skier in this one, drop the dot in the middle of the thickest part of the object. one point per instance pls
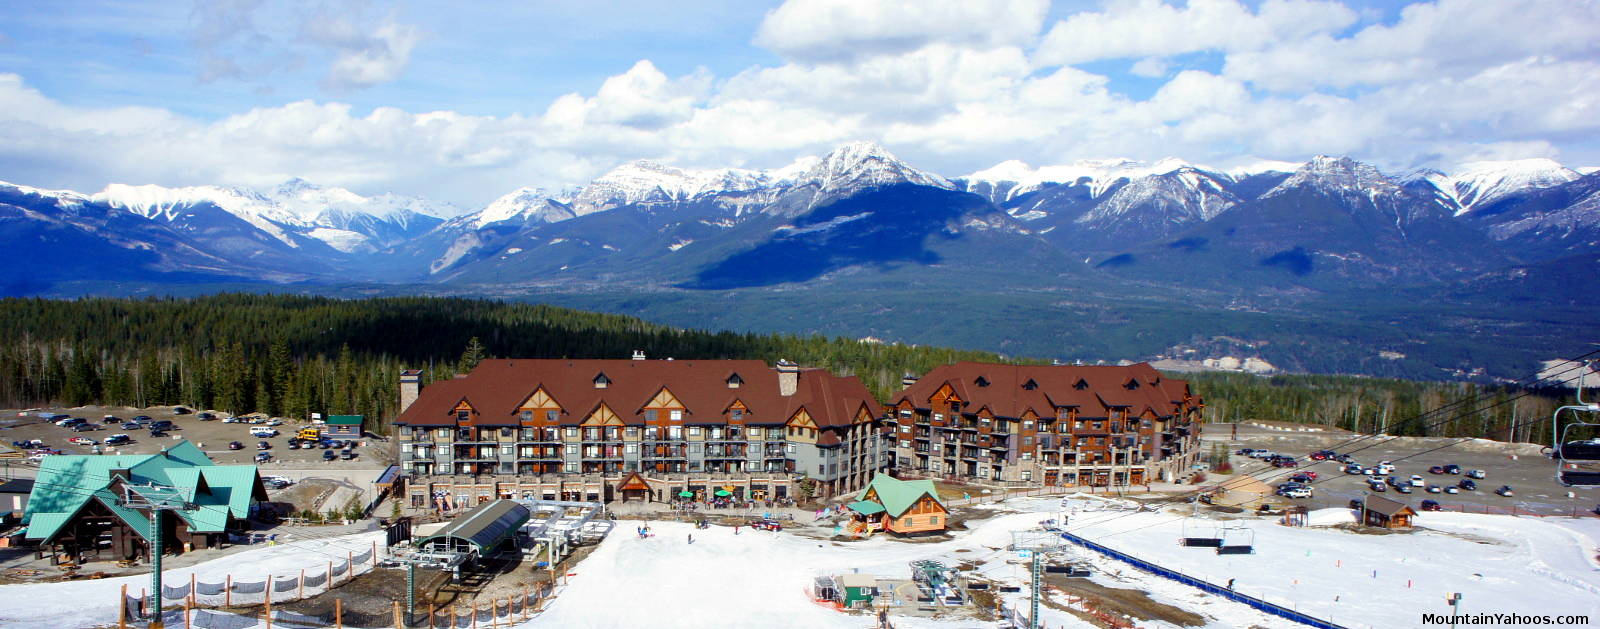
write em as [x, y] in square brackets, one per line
[735, 529]
[1230, 584]
[691, 538]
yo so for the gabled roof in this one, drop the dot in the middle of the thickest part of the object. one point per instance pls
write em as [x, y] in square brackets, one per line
[344, 420]
[1107, 387]
[67, 483]
[897, 496]
[496, 388]
[1386, 506]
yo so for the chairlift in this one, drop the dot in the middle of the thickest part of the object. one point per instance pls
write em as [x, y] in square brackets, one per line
[1199, 532]
[1237, 539]
[1577, 460]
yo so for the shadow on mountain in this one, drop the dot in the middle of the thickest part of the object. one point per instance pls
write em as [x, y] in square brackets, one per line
[887, 226]
[1296, 261]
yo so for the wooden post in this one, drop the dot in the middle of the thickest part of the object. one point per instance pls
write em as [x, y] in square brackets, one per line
[188, 605]
[269, 602]
[432, 611]
[374, 552]
[525, 598]
[227, 591]
[338, 614]
[302, 583]
[474, 613]
[122, 608]
[349, 565]
[329, 586]
[193, 593]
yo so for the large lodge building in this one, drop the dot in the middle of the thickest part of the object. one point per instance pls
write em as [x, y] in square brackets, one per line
[654, 429]
[1052, 425]
[636, 429]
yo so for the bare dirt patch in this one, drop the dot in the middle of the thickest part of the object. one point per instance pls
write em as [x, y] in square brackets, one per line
[1131, 603]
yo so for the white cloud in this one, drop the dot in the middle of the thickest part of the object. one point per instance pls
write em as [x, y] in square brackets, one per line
[1153, 28]
[250, 40]
[366, 53]
[835, 30]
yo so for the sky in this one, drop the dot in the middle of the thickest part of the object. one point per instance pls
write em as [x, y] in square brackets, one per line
[464, 101]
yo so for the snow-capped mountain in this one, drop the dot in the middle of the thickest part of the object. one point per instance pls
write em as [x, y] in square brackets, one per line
[1157, 206]
[523, 206]
[292, 213]
[1479, 184]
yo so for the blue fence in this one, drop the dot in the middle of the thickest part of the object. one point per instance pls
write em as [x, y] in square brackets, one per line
[1256, 603]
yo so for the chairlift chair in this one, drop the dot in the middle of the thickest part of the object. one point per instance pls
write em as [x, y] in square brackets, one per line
[1237, 539]
[1202, 533]
[1577, 460]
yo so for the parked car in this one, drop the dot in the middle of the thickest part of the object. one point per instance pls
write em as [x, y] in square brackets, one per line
[84, 427]
[328, 455]
[347, 455]
[1434, 489]
[277, 479]
[232, 420]
[1369, 471]
[111, 419]
[181, 410]
[1322, 455]
[274, 484]
[1467, 484]
[1452, 489]
[1245, 451]
[118, 439]
[132, 426]
[1437, 469]
[206, 416]
[1478, 474]
[1300, 478]
[262, 431]
[1416, 481]
[1298, 492]
[141, 418]
[1430, 505]
[82, 441]
[1452, 469]
[234, 445]
[1377, 487]
[274, 422]
[263, 457]
[263, 445]
[1404, 489]
[154, 434]
[37, 458]
[163, 424]
[294, 444]
[1345, 458]
[1352, 469]
[1385, 467]
[1504, 490]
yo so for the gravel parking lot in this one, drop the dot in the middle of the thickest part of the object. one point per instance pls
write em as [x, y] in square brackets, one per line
[356, 476]
[1530, 474]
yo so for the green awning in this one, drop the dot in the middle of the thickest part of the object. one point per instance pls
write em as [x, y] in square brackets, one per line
[686, 494]
[864, 507]
[724, 493]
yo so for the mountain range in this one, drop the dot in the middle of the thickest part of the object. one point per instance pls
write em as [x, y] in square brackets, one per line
[1327, 222]
[1104, 258]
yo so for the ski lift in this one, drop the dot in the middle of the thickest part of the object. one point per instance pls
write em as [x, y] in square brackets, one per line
[1577, 460]
[1237, 539]
[1199, 532]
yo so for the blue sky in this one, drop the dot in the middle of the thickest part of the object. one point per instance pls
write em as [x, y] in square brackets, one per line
[466, 101]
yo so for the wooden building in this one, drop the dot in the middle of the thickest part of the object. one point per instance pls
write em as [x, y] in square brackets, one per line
[604, 430]
[901, 506]
[1389, 514]
[343, 426]
[77, 506]
[1052, 425]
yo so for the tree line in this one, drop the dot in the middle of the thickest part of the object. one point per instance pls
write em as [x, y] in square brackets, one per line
[292, 356]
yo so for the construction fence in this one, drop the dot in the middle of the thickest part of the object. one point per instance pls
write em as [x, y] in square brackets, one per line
[231, 592]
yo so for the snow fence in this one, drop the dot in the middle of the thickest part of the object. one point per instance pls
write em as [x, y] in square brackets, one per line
[238, 592]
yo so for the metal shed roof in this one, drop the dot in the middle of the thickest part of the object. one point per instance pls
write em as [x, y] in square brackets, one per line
[484, 527]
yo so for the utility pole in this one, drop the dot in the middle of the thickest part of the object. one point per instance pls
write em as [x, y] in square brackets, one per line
[158, 499]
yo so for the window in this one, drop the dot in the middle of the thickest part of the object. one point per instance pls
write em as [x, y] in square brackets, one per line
[675, 432]
[505, 432]
[650, 415]
[1027, 456]
[405, 430]
[550, 416]
[755, 433]
[632, 432]
[651, 433]
[676, 416]
[938, 417]
[405, 447]
[906, 428]
[791, 448]
[734, 381]
[506, 450]
[527, 416]
[571, 432]
[694, 431]
[612, 433]
[822, 469]
[1027, 474]
[736, 414]
[572, 448]
[464, 434]
[905, 444]
[1027, 424]
[1030, 385]
[601, 381]
[571, 468]
[1027, 441]
[981, 381]
[591, 434]
[462, 416]
[632, 448]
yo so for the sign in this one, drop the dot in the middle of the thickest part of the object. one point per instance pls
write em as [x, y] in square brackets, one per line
[316, 416]
[1024, 554]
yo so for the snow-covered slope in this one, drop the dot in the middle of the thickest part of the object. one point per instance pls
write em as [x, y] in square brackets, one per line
[1017, 178]
[525, 205]
[1478, 184]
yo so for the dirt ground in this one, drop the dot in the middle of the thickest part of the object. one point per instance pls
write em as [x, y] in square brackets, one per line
[1530, 474]
[1131, 603]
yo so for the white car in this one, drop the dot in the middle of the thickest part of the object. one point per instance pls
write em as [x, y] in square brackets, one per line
[277, 479]
[1298, 492]
[37, 458]
[260, 432]
[1385, 468]
[1416, 481]
[1476, 474]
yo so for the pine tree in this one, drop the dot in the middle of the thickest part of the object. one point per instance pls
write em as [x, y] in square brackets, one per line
[471, 356]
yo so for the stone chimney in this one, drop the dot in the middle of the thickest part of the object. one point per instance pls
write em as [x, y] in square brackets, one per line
[788, 378]
[907, 380]
[638, 354]
[410, 387]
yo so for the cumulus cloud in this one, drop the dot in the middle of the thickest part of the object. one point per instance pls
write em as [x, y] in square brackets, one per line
[250, 40]
[950, 88]
[836, 30]
[1154, 28]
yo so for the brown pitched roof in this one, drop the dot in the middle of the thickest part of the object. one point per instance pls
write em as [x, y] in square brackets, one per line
[1001, 388]
[496, 388]
[1387, 507]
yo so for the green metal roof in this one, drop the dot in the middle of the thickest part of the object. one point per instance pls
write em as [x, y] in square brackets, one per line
[344, 420]
[897, 495]
[865, 507]
[68, 482]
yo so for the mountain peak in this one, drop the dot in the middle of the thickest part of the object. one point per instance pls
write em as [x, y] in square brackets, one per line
[863, 164]
[1337, 174]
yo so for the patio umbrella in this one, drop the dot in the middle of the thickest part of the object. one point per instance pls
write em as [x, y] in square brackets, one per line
[686, 494]
[724, 493]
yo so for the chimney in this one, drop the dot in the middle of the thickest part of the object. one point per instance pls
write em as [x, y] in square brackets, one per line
[907, 380]
[638, 354]
[788, 378]
[410, 387]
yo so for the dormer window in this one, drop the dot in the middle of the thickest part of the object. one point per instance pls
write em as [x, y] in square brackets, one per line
[463, 415]
[1132, 384]
[601, 381]
[981, 381]
[1081, 384]
[1030, 385]
[734, 381]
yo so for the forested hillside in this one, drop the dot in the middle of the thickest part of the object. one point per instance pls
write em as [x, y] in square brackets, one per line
[292, 355]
